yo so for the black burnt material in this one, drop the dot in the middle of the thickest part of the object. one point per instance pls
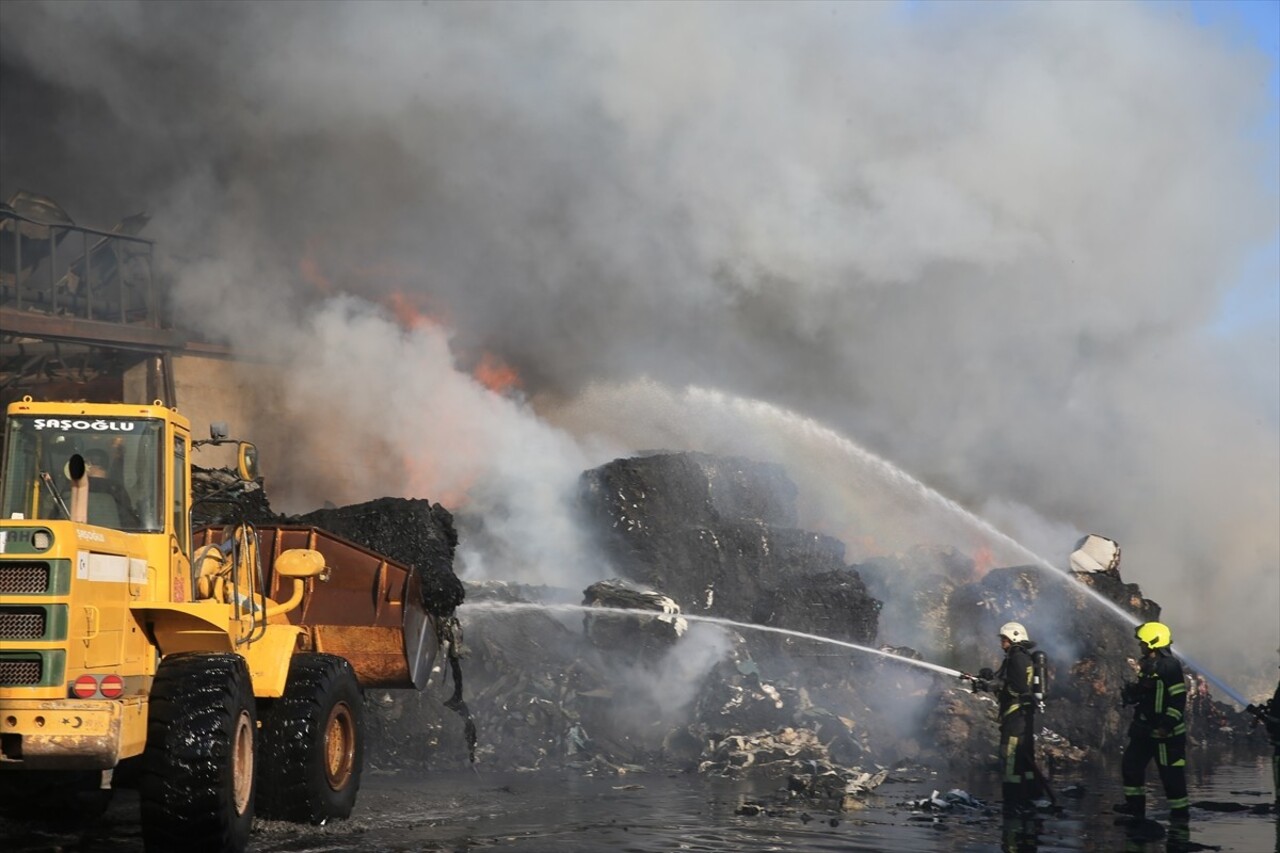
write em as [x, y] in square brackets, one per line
[633, 636]
[688, 525]
[219, 496]
[719, 535]
[414, 532]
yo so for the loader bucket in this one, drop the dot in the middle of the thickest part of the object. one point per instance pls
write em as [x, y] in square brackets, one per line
[368, 610]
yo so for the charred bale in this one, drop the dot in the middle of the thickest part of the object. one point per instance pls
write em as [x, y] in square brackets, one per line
[1128, 595]
[532, 684]
[831, 604]
[707, 490]
[634, 636]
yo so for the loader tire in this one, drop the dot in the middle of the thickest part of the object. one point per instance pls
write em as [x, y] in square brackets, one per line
[197, 781]
[313, 743]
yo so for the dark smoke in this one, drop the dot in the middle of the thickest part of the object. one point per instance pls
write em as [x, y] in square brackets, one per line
[988, 241]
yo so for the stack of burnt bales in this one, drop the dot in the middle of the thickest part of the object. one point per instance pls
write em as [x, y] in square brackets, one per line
[719, 535]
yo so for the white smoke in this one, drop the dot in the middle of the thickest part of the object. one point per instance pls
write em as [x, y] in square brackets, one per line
[988, 242]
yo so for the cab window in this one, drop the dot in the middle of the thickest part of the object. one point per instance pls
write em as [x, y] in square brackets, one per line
[122, 461]
[180, 526]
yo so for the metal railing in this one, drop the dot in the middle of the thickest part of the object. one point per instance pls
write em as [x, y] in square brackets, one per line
[73, 271]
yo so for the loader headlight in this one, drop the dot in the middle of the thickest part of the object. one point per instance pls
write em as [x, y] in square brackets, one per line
[41, 540]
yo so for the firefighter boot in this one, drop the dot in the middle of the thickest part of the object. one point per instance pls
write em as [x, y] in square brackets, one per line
[1133, 806]
[1016, 801]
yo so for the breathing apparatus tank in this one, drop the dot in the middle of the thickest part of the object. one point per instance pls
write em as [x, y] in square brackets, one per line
[1039, 676]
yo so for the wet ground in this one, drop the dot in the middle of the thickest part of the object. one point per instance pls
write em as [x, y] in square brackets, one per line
[554, 812]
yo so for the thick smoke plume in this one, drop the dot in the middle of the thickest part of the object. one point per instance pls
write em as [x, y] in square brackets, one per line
[989, 243]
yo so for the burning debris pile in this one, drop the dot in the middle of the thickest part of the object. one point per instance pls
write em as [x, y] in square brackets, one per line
[554, 685]
[718, 537]
[626, 675]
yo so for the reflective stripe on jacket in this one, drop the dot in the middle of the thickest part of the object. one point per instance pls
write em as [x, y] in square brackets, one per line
[1162, 702]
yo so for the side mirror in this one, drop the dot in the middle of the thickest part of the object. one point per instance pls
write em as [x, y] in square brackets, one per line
[247, 461]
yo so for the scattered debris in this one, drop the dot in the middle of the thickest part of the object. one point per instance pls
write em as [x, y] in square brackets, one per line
[955, 799]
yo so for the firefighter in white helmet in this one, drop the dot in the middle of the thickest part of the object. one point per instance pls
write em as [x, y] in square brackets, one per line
[1011, 684]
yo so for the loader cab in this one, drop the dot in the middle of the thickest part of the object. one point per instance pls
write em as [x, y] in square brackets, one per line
[121, 459]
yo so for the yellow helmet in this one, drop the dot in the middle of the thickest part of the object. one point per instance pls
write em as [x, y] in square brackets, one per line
[1154, 635]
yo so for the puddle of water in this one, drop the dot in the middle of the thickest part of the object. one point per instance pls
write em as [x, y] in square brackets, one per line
[545, 812]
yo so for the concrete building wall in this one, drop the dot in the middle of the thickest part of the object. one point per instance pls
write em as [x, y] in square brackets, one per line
[313, 451]
[219, 389]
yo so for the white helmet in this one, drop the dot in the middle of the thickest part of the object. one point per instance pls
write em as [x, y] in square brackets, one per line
[1013, 632]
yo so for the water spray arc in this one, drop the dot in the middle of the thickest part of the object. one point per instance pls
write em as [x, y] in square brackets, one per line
[895, 476]
[503, 606]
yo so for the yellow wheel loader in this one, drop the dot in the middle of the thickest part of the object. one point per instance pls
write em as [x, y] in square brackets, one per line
[221, 667]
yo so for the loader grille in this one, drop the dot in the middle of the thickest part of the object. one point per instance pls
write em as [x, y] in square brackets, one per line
[21, 672]
[22, 623]
[17, 578]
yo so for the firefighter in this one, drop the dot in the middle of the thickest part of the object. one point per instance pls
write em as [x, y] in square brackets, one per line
[1012, 686]
[1273, 732]
[1159, 729]
[1269, 715]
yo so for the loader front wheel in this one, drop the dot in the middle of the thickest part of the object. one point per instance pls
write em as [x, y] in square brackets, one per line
[197, 781]
[313, 743]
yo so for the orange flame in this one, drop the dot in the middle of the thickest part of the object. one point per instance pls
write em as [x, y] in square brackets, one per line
[983, 559]
[495, 374]
[407, 313]
[424, 481]
[309, 269]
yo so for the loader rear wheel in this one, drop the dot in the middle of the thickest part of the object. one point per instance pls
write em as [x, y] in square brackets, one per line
[197, 780]
[313, 743]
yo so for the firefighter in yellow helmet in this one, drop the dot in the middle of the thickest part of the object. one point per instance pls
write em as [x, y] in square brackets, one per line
[1268, 714]
[1159, 728]
[1271, 719]
[1011, 685]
